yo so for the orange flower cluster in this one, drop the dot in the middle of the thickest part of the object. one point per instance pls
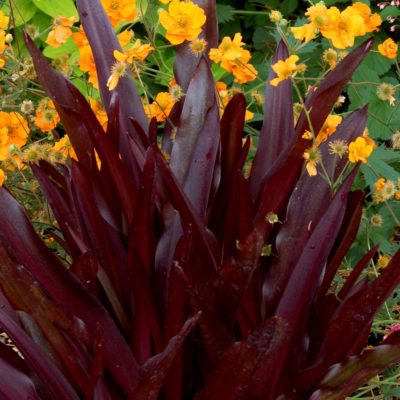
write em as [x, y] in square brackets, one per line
[327, 130]
[183, 21]
[341, 27]
[4, 20]
[86, 60]
[14, 131]
[46, 118]
[224, 96]
[385, 190]
[64, 149]
[388, 49]
[61, 31]
[286, 68]
[2, 177]
[360, 149]
[232, 57]
[137, 52]
[160, 107]
[99, 111]
[120, 10]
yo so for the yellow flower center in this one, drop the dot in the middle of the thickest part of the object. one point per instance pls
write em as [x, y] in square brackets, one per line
[320, 20]
[226, 47]
[48, 115]
[114, 5]
[342, 25]
[183, 21]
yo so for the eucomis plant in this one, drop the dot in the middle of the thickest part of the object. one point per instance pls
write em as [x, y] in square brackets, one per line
[181, 284]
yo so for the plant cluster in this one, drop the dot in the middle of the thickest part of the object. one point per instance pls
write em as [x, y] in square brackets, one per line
[196, 246]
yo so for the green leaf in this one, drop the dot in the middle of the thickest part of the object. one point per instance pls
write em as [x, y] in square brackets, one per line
[55, 8]
[224, 13]
[389, 11]
[23, 10]
[141, 8]
[377, 63]
[260, 38]
[218, 72]
[67, 48]
[288, 6]
[359, 90]
[376, 168]
[42, 22]
[333, 2]
[387, 155]
[380, 119]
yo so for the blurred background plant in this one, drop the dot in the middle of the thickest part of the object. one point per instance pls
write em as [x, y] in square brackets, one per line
[30, 129]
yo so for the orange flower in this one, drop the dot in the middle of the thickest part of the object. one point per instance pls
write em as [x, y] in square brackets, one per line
[99, 111]
[330, 56]
[234, 58]
[2, 177]
[4, 20]
[359, 150]
[371, 21]
[229, 52]
[379, 184]
[161, 106]
[183, 21]
[388, 48]
[318, 18]
[87, 64]
[80, 38]
[328, 128]
[13, 131]
[286, 68]
[120, 10]
[313, 158]
[64, 147]
[46, 118]
[86, 60]
[125, 38]
[61, 31]
[137, 52]
[3, 45]
[342, 26]
[118, 70]
[244, 73]
[198, 46]
[224, 96]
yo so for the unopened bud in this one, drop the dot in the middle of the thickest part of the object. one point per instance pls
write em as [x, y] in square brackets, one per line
[9, 38]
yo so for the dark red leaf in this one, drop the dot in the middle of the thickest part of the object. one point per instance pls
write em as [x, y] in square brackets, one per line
[306, 275]
[247, 365]
[154, 371]
[58, 88]
[204, 239]
[343, 379]
[346, 237]
[106, 243]
[355, 273]
[103, 42]
[277, 133]
[185, 61]
[18, 235]
[354, 313]
[53, 379]
[197, 140]
[300, 220]
[16, 385]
